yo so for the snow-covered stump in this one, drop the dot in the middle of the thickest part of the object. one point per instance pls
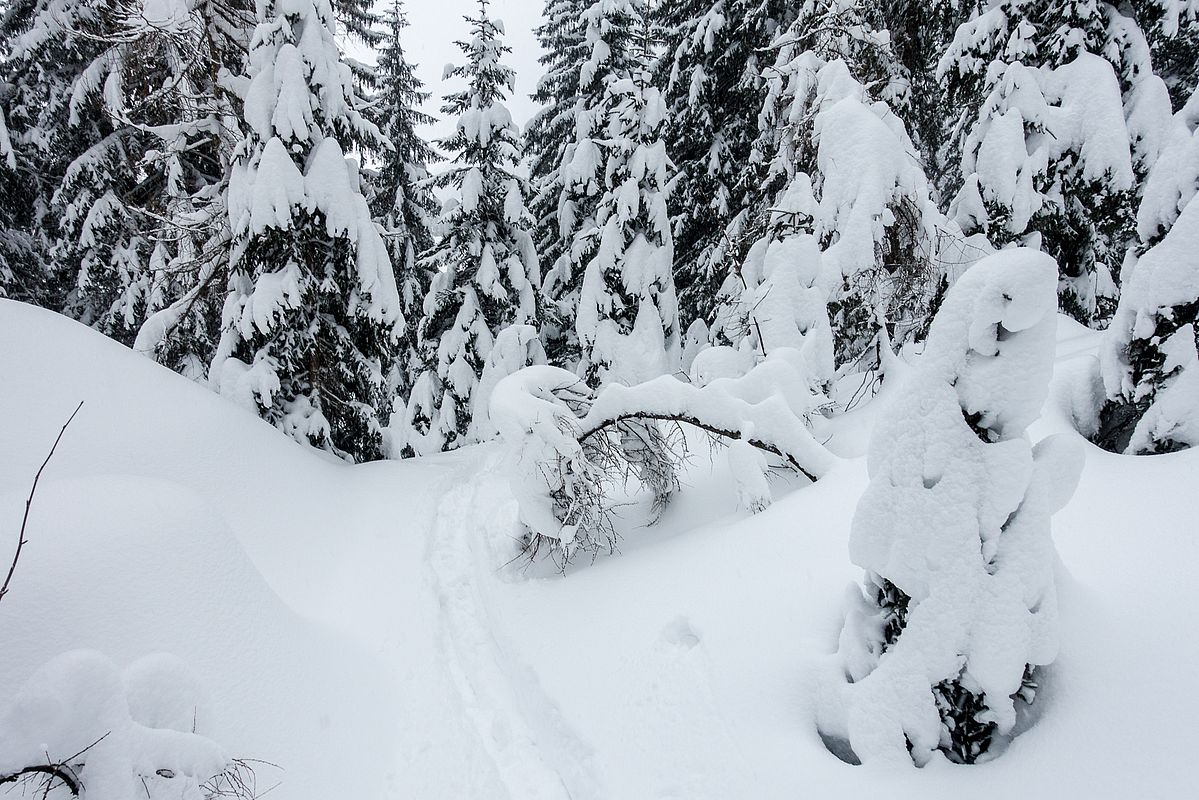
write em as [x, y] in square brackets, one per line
[959, 606]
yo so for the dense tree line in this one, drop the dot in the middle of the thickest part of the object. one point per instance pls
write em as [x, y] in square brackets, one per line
[217, 185]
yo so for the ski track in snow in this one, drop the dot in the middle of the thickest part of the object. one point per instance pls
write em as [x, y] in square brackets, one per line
[536, 754]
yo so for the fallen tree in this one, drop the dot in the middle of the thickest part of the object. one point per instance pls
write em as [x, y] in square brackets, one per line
[571, 449]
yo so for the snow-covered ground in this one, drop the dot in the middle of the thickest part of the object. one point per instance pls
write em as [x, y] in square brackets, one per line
[358, 626]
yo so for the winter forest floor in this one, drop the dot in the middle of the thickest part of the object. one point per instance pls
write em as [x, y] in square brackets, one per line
[358, 627]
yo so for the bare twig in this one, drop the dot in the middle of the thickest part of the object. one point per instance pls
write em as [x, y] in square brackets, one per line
[705, 426]
[59, 772]
[29, 503]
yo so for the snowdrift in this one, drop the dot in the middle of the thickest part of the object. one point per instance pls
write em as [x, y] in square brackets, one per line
[357, 626]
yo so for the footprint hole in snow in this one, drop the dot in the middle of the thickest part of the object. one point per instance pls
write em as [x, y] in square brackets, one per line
[681, 634]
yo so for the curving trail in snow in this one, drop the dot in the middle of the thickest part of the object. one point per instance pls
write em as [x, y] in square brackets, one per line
[535, 752]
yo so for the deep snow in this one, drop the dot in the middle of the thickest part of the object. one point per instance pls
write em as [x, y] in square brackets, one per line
[357, 625]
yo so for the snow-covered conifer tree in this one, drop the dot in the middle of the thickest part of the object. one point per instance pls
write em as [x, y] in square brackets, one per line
[167, 63]
[1150, 362]
[828, 30]
[313, 313]
[1057, 110]
[839, 167]
[628, 320]
[562, 38]
[563, 41]
[33, 88]
[21, 275]
[567, 194]
[124, 130]
[712, 71]
[79, 163]
[1172, 28]
[920, 32]
[403, 202]
[485, 267]
[959, 606]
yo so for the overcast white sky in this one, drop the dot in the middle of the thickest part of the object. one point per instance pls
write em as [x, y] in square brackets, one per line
[437, 24]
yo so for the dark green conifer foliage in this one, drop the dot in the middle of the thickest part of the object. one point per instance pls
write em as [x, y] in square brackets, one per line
[403, 201]
[714, 53]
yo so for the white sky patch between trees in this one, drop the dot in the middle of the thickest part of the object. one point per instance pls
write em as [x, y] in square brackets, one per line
[430, 44]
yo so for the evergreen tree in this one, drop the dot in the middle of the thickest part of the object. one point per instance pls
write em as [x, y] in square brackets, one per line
[713, 73]
[67, 154]
[573, 187]
[628, 320]
[1053, 68]
[836, 164]
[1172, 27]
[1150, 359]
[169, 85]
[123, 138]
[358, 19]
[921, 31]
[828, 30]
[485, 266]
[959, 607]
[313, 313]
[563, 41]
[403, 202]
[20, 273]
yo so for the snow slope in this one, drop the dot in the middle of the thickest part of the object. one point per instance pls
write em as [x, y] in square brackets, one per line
[358, 626]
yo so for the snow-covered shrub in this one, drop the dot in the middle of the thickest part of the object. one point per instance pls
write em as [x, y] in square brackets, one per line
[959, 606]
[1151, 353]
[516, 347]
[784, 303]
[570, 452]
[106, 735]
[1149, 362]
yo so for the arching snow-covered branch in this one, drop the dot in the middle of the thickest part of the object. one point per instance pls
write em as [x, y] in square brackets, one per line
[568, 453]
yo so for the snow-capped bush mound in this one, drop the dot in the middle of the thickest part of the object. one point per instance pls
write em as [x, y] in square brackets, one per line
[138, 541]
[110, 736]
[959, 605]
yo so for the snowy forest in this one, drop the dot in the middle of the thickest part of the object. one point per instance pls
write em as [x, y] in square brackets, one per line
[798, 403]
